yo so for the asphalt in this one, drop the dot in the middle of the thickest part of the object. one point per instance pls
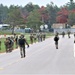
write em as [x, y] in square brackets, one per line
[41, 58]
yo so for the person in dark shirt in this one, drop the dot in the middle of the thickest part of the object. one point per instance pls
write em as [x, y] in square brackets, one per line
[22, 41]
[56, 38]
[69, 34]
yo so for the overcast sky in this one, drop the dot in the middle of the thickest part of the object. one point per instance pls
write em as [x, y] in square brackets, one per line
[38, 2]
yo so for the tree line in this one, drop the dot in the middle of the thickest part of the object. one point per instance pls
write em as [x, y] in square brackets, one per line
[33, 15]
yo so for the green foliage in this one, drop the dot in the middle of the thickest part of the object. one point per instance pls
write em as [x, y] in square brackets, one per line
[33, 20]
[52, 13]
[3, 13]
[70, 5]
[71, 18]
[29, 14]
[29, 7]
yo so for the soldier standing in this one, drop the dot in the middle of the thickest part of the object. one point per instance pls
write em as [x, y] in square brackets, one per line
[22, 41]
[35, 37]
[0, 45]
[31, 38]
[63, 34]
[6, 42]
[56, 38]
[38, 37]
[69, 34]
[74, 37]
[16, 41]
[10, 44]
[44, 36]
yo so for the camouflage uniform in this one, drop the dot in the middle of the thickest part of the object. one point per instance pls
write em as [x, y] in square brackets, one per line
[56, 38]
[31, 38]
[6, 42]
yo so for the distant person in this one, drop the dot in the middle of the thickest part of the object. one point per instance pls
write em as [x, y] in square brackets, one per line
[74, 34]
[0, 45]
[56, 33]
[69, 34]
[6, 42]
[38, 37]
[74, 37]
[22, 41]
[56, 38]
[11, 44]
[35, 37]
[63, 34]
[31, 38]
[41, 37]
[16, 41]
[44, 36]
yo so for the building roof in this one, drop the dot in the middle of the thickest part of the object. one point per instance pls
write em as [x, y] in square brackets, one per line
[58, 25]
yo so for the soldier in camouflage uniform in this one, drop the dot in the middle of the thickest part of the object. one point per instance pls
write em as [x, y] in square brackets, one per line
[6, 42]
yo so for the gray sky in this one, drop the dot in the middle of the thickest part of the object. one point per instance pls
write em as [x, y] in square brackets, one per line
[38, 2]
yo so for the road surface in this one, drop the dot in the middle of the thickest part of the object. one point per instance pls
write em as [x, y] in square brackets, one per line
[41, 58]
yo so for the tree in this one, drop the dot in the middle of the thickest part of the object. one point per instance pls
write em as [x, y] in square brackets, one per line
[3, 13]
[71, 18]
[62, 15]
[70, 5]
[44, 14]
[14, 17]
[29, 7]
[33, 20]
[51, 13]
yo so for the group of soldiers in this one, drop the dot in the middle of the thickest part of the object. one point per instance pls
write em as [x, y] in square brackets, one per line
[37, 37]
[21, 41]
[9, 43]
[56, 38]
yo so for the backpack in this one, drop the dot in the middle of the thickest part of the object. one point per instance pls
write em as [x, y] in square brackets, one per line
[11, 42]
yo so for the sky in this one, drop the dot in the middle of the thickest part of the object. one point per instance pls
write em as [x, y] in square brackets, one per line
[38, 2]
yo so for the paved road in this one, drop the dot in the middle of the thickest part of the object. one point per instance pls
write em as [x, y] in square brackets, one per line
[41, 58]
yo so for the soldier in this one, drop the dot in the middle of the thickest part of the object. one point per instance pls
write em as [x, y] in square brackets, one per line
[12, 41]
[74, 34]
[16, 41]
[31, 38]
[63, 34]
[38, 37]
[57, 33]
[41, 37]
[0, 45]
[69, 34]
[10, 44]
[56, 38]
[6, 42]
[44, 36]
[22, 41]
[74, 37]
[35, 37]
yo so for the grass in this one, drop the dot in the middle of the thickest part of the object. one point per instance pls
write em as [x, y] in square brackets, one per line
[26, 36]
